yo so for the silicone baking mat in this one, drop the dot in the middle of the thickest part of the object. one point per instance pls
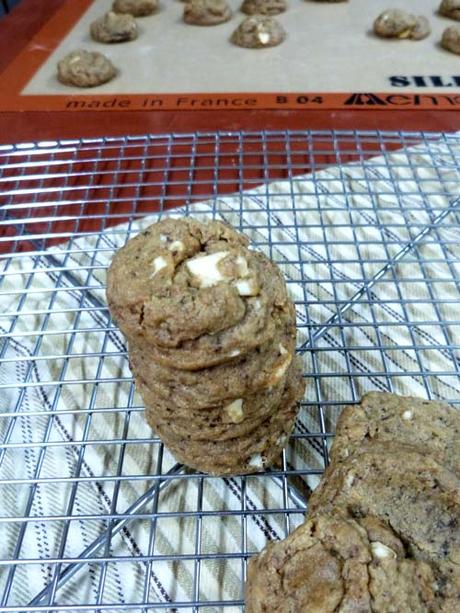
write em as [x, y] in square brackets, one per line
[330, 59]
[95, 515]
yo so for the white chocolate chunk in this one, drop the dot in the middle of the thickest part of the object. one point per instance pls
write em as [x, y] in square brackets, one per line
[206, 270]
[281, 440]
[158, 264]
[264, 37]
[163, 238]
[234, 353]
[247, 287]
[407, 415]
[256, 461]
[235, 410]
[243, 270]
[176, 246]
[350, 479]
[281, 369]
[379, 550]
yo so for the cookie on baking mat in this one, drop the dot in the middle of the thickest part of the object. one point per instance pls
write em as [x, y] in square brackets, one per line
[136, 8]
[82, 68]
[114, 28]
[258, 32]
[206, 12]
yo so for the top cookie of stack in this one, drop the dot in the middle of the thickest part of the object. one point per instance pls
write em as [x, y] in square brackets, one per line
[211, 334]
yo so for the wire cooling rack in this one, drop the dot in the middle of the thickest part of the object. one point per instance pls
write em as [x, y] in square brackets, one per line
[94, 513]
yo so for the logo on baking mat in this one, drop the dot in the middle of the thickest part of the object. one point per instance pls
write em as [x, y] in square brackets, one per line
[365, 100]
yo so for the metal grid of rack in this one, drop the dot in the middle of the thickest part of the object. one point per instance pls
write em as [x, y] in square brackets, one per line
[95, 515]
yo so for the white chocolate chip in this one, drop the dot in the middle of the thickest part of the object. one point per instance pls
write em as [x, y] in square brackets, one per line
[158, 264]
[163, 238]
[247, 287]
[281, 440]
[257, 304]
[379, 550]
[235, 410]
[205, 268]
[243, 270]
[282, 349]
[176, 246]
[349, 479]
[256, 461]
[407, 415]
[234, 353]
[264, 37]
[280, 371]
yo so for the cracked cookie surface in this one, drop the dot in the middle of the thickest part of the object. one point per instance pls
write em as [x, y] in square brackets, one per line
[114, 28]
[194, 294]
[332, 564]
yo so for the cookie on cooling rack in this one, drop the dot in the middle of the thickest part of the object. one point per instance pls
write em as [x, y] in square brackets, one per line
[263, 368]
[247, 453]
[194, 294]
[332, 564]
[405, 486]
[211, 335]
[431, 427]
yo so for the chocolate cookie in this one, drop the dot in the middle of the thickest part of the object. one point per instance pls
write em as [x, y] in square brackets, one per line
[233, 419]
[263, 368]
[245, 454]
[211, 335]
[206, 12]
[332, 564]
[409, 490]
[114, 28]
[264, 7]
[432, 427]
[258, 32]
[136, 8]
[450, 8]
[451, 39]
[395, 23]
[193, 294]
[85, 69]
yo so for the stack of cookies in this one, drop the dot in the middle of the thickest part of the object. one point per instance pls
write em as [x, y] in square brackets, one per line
[383, 527]
[211, 333]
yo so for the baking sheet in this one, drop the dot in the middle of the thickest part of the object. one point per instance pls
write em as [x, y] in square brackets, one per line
[329, 48]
